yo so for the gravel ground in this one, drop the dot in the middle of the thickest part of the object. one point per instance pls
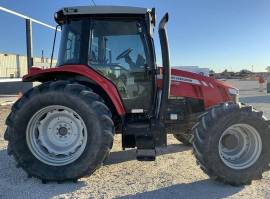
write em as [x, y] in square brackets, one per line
[173, 175]
[7, 99]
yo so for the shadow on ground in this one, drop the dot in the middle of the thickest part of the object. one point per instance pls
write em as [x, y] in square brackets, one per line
[128, 155]
[256, 99]
[199, 189]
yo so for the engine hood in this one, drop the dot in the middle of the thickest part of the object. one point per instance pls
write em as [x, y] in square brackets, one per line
[193, 85]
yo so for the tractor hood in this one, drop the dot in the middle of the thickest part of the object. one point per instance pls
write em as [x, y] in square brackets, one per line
[193, 85]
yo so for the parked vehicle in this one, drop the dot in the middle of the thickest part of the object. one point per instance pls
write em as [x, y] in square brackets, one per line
[106, 82]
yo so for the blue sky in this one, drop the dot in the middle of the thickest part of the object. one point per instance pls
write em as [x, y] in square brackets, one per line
[232, 34]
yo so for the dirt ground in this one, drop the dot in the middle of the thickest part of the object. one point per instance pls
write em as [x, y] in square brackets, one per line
[173, 175]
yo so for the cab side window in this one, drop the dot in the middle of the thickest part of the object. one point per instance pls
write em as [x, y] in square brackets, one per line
[108, 42]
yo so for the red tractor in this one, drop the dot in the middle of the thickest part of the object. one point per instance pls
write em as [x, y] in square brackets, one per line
[107, 82]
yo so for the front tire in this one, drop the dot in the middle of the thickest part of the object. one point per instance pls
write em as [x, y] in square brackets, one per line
[232, 144]
[184, 138]
[60, 131]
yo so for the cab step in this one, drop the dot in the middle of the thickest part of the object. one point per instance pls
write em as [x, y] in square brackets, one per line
[146, 154]
[146, 150]
[146, 136]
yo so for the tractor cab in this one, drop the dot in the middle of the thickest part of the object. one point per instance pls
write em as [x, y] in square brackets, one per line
[118, 44]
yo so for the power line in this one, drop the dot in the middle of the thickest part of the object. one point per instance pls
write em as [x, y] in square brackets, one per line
[25, 17]
[94, 2]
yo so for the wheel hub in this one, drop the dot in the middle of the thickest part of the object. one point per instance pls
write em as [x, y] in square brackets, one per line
[230, 141]
[240, 146]
[62, 131]
[56, 135]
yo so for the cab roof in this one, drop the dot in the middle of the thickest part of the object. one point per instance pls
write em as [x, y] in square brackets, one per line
[86, 10]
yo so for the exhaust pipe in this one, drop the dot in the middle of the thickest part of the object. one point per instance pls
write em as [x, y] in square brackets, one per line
[166, 65]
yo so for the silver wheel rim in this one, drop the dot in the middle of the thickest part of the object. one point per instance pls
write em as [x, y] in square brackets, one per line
[240, 146]
[56, 135]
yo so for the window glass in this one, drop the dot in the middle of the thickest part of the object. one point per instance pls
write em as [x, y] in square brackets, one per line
[117, 50]
[69, 52]
[117, 47]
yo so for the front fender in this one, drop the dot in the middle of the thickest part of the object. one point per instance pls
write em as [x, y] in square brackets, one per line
[41, 75]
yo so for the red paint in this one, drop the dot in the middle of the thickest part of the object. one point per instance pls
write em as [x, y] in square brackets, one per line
[210, 90]
[110, 89]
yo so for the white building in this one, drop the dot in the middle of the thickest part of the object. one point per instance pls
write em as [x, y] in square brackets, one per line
[14, 65]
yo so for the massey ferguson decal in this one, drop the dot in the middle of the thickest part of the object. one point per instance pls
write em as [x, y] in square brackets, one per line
[176, 78]
[185, 79]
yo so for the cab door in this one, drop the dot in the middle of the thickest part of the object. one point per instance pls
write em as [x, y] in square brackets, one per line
[118, 50]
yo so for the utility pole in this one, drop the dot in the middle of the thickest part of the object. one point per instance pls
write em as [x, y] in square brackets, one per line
[29, 43]
[42, 56]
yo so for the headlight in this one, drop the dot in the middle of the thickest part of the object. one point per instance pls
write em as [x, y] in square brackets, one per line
[234, 93]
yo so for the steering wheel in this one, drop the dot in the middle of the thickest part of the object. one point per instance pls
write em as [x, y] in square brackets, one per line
[124, 54]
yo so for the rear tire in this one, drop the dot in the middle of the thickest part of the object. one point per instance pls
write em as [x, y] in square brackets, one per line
[232, 144]
[85, 123]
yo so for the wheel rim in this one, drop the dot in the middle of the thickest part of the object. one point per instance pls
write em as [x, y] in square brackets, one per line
[56, 135]
[240, 146]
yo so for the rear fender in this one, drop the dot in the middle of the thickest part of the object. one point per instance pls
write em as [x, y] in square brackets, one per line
[37, 74]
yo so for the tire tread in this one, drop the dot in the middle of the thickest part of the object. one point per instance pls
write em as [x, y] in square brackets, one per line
[93, 100]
